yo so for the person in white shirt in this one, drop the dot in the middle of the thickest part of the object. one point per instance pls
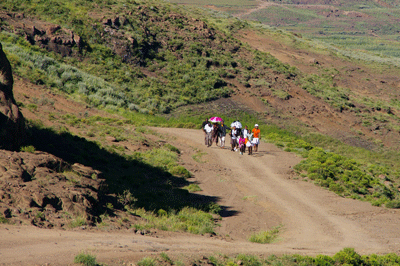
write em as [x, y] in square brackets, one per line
[222, 133]
[233, 134]
[208, 129]
[245, 132]
[202, 128]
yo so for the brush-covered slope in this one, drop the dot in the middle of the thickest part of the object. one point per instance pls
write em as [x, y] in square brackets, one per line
[148, 56]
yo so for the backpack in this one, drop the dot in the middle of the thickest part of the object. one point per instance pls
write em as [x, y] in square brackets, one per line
[239, 131]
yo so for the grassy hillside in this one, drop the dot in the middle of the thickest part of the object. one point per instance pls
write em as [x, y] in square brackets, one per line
[153, 59]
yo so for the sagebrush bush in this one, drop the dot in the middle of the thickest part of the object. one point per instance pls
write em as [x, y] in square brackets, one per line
[180, 171]
[29, 148]
[3, 220]
[265, 237]
[187, 220]
[393, 204]
[147, 262]
[85, 259]
[77, 221]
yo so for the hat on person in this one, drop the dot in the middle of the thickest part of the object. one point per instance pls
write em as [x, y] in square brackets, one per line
[256, 125]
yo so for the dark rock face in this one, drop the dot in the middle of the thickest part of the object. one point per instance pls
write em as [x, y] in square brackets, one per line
[12, 123]
[40, 188]
[46, 35]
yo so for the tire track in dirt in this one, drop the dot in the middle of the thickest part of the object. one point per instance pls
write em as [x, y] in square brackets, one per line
[262, 5]
[313, 218]
[265, 4]
[307, 223]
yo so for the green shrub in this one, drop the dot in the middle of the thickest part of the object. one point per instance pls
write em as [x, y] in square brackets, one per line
[166, 258]
[78, 221]
[85, 259]
[180, 171]
[212, 207]
[344, 257]
[193, 188]
[3, 220]
[248, 260]
[161, 158]
[172, 148]
[162, 212]
[40, 215]
[346, 177]
[127, 199]
[32, 107]
[147, 262]
[186, 220]
[265, 237]
[323, 260]
[347, 256]
[378, 260]
[393, 204]
[29, 148]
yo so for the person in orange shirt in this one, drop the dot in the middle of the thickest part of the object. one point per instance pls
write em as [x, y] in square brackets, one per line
[256, 137]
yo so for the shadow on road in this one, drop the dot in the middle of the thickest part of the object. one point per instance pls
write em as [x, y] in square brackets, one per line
[152, 187]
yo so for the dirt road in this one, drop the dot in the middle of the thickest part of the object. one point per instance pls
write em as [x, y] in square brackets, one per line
[256, 192]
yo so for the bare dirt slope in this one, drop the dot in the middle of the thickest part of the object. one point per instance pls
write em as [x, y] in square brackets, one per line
[257, 192]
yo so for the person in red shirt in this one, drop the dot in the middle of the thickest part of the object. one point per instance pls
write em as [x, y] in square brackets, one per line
[256, 137]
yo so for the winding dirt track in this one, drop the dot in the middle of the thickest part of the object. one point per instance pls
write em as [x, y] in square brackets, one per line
[265, 4]
[257, 192]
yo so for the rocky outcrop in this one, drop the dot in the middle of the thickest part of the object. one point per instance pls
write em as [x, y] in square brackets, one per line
[54, 38]
[42, 189]
[12, 123]
[46, 35]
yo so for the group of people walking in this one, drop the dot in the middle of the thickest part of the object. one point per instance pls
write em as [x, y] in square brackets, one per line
[240, 138]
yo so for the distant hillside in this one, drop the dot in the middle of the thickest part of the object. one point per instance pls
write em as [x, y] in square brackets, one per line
[371, 25]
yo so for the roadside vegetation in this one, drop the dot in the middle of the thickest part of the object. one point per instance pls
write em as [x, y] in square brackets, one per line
[86, 259]
[348, 171]
[266, 237]
[347, 256]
